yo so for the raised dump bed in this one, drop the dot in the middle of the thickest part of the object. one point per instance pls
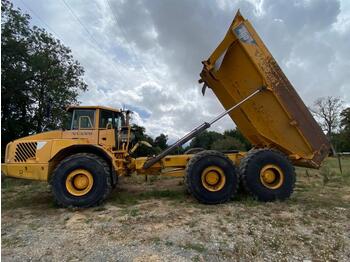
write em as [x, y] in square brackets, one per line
[276, 118]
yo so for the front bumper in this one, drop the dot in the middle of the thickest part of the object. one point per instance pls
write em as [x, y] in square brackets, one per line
[32, 171]
[4, 169]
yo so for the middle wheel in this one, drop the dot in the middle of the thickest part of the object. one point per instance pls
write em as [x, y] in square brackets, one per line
[211, 177]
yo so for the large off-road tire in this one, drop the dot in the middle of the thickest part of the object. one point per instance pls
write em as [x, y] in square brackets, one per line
[267, 174]
[81, 180]
[211, 177]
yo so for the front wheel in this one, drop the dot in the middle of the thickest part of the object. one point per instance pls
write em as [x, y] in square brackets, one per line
[81, 180]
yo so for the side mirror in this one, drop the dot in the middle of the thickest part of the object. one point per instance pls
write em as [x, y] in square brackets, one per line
[127, 117]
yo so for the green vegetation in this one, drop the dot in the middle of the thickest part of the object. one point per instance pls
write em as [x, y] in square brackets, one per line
[193, 246]
[39, 77]
[342, 138]
[19, 193]
[158, 144]
[229, 140]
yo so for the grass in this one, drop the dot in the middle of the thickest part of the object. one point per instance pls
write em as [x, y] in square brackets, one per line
[134, 212]
[194, 246]
[133, 198]
[330, 166]
[325, 187]
[19, 193]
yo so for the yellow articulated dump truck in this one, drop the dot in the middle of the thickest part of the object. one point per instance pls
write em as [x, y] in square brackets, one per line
[84, 161]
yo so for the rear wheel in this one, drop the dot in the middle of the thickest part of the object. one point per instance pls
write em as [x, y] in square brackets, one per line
[211, 177]
[81, 180]
[267, 174]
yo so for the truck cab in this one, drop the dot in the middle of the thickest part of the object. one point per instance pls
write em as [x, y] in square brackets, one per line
[99, 130]
[100, 125]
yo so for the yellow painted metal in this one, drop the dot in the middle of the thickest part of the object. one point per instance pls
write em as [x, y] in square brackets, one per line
[271, 176]
[79, 182]
[174, 161]
[178, 172]
[4, 169]
[213, 178]
[277, 117]
[106, 138]
[32, 171]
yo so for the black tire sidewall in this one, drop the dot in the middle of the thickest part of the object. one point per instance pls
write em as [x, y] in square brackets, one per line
[252, 176]
[195, 182]
[92, 165]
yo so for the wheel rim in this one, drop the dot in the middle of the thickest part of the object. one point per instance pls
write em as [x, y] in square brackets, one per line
[79, 182]
[213, 178]
[271, 176]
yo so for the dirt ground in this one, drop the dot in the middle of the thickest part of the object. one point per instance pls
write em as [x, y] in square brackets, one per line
[157, 221]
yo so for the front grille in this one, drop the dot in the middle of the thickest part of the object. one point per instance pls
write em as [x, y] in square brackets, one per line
[24, 151]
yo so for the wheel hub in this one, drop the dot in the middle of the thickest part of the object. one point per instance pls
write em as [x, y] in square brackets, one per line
[79, 182]
[271, 176]
[213, 178]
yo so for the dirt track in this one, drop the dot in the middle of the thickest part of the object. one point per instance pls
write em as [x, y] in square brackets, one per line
[157, 221]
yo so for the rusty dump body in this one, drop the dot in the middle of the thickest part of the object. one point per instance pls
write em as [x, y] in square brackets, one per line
[275, 118]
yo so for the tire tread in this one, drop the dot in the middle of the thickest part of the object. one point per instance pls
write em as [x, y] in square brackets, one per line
[106, 170]
[192, 162]
[249, 158]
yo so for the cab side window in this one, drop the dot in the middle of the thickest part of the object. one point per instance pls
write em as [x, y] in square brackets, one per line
[110, 119]
[106, 119]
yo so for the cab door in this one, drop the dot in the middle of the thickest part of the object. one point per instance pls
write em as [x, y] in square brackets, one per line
[107, 129]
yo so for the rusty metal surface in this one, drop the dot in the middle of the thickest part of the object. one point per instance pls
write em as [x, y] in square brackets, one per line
[297, 110]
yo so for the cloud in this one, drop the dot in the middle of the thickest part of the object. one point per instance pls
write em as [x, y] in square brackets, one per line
[147, 54]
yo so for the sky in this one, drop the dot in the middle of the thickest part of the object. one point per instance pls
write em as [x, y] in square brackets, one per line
[146, 55]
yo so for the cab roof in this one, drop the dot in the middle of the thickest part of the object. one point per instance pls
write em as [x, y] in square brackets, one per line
[93, 107]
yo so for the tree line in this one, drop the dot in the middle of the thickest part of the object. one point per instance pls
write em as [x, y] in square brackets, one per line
[40, 78]
[229, 140]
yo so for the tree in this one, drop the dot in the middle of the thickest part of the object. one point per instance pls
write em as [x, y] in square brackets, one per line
[205, 139]
[345, 119]
[39, 77]
[161, 141]
[236, 134]
[342, 139]
[228, 143]
[139, 133]
[327, 110]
